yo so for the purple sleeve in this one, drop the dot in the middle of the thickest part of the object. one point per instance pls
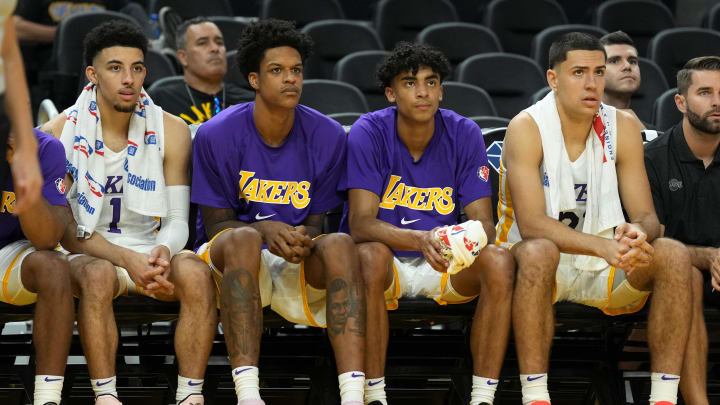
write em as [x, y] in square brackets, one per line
[52, 162]
[325, 194]
[363, 169]
[207, 180]
[473, 170]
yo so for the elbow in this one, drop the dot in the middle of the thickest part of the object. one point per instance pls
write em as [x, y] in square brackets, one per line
[356, 228]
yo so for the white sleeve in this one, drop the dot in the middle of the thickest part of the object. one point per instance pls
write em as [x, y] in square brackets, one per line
[174, 231]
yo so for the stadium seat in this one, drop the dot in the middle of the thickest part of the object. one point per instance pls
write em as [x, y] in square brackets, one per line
[234, 75]
[164, 82]
[459, 41]
[714, 18]
[538, 95]
[672, 48]
[402, 20]
[158, 66]
[540, 47]
[467, 100]
[302, 12]
[641, 19]
[231, 29]
[68, 52]
[516, 22]
[509, 79]
[333, 40]
[358, 69]
[331, 96]
[470, 10]
[189, 8]
[346, 119]
[652, 85]
[489, 122]
[665, 112]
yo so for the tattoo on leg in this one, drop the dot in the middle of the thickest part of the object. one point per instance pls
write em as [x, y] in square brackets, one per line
[241, 310]
[346, 307]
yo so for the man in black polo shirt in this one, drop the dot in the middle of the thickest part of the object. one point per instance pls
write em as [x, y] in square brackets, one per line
[202, 93]
[683, 167]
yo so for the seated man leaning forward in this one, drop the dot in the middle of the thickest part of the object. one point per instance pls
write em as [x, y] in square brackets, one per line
[566, 163]
[37, 274]
[410, 168]
[127, 163]
[264, 174]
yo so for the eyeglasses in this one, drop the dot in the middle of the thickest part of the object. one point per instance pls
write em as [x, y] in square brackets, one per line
[218, 106]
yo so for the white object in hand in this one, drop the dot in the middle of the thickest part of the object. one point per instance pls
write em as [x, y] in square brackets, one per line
[462, 244]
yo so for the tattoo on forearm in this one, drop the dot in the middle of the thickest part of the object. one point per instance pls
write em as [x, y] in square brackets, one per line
[346, 308]
[241, 314]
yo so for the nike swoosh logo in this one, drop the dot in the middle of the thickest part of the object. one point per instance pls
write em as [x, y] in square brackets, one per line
[193, 384]
[666, 378]
[101, 383]
[535, 378]
[52, 379]
[493, 383]
[353, 375]
[404, 222]
[243, 370]
[372, 384]
[259, 217]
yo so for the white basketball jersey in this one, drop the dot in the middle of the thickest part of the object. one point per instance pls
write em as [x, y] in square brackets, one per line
[117, 223]
[576, 218]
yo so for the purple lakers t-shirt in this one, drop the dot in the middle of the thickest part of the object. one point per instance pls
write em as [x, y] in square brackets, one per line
[51, 155]
[451, 173]
[234, 168]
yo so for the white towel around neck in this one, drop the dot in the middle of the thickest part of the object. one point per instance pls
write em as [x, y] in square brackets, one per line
[144, 189]
[603, 210]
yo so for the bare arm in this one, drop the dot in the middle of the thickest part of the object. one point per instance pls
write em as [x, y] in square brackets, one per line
[55, 126]
[481, 210]
[34, 32]
[178, 148]
[44, 224]
[632, 177]
[522, 155]
[365, 227]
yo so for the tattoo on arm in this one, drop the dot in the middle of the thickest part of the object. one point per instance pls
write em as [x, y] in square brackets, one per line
[346, 307]
[241, 314]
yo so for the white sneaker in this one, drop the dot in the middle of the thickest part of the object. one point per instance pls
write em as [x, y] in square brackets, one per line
[107, 399]
[194, 399]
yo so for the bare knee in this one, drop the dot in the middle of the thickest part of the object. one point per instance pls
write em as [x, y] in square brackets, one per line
[375, 264]
[537, 261]
[241, 242]
[96, 278]
[672, 262]
[192, 279]
[47, 273]
[497, 268]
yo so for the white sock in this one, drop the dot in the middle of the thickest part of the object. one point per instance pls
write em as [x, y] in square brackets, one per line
[483, 390]
[48, 388]
[375, 390]
[247, 382]
[534, 388]
[103, 386]
[187, 387]
[352, 386]
[663, 387]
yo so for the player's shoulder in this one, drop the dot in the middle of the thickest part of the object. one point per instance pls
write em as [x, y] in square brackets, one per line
[377, 124]
[47, 143]
[315, 120]
[456, 124]
[54, 126]
[523, 124]
[224, 123]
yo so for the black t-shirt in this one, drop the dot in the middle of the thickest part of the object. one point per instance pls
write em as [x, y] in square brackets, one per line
[686, 194]
[175, 98]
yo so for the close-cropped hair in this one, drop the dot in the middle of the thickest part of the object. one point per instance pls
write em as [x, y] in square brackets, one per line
[616, 38]
[410, 57]
[267, 34]
[572, 41]
[113, 33]
[181, 32]
[684, 76]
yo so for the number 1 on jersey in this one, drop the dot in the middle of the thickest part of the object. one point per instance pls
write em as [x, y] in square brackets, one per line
[115, 202]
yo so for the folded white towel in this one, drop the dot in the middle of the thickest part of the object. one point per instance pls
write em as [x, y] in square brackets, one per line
[144, 191]
[462, 244]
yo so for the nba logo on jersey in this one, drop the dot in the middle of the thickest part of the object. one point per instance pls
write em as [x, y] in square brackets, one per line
[60, 185]
[484, 173]
[150, 138]
[132, 148]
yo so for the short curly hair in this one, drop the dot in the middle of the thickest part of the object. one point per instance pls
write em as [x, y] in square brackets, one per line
[113, 33]
[267, 34]
[410, 56]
